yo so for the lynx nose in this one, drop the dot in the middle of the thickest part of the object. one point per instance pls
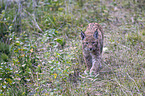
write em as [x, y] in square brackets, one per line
[90, 49]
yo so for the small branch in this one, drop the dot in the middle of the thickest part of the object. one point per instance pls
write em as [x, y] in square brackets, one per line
[121, 86]
[34, 20]
[133, 81]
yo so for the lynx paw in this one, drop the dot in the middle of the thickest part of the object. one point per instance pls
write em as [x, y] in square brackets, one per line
[86, 72]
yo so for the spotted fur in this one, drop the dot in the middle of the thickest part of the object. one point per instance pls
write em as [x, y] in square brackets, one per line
[92, 44]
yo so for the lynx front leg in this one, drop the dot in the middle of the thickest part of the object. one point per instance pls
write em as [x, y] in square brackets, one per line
[96, 65]
[88, 61]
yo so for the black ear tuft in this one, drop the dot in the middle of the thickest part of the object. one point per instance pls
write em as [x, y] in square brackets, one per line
[82, 35]
[96, 34]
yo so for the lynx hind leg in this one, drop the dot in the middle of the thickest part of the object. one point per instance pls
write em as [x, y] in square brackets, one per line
[88, 61]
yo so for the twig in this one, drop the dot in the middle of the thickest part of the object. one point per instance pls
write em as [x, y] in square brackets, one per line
[34, 20]
[121, 86]
[133, 81]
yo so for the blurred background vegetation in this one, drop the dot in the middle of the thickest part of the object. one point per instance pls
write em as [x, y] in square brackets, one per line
[40, 47]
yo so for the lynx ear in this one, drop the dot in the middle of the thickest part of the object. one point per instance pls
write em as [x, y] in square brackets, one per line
[82, 35]
[96, 34]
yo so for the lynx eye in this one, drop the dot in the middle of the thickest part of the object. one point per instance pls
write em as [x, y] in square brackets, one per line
[93, 42]
[87, 43]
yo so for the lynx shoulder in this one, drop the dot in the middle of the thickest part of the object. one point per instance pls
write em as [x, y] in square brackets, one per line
[92, 44]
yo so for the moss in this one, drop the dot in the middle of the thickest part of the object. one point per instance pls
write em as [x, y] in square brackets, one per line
[4, 57]
[143, 32]
[4, 48]
[134, 38]
[4, 52]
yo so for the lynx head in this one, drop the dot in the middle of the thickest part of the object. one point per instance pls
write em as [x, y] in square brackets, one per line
[89, 40]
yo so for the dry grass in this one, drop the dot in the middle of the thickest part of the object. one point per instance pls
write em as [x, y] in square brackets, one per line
[124, 67]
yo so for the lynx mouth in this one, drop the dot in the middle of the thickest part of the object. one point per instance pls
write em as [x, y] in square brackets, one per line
[91, 49]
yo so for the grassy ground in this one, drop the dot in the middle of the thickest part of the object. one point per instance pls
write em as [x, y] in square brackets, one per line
[58, 50]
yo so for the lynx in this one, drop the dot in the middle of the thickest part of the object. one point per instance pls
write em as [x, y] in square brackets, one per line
[92, 44]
